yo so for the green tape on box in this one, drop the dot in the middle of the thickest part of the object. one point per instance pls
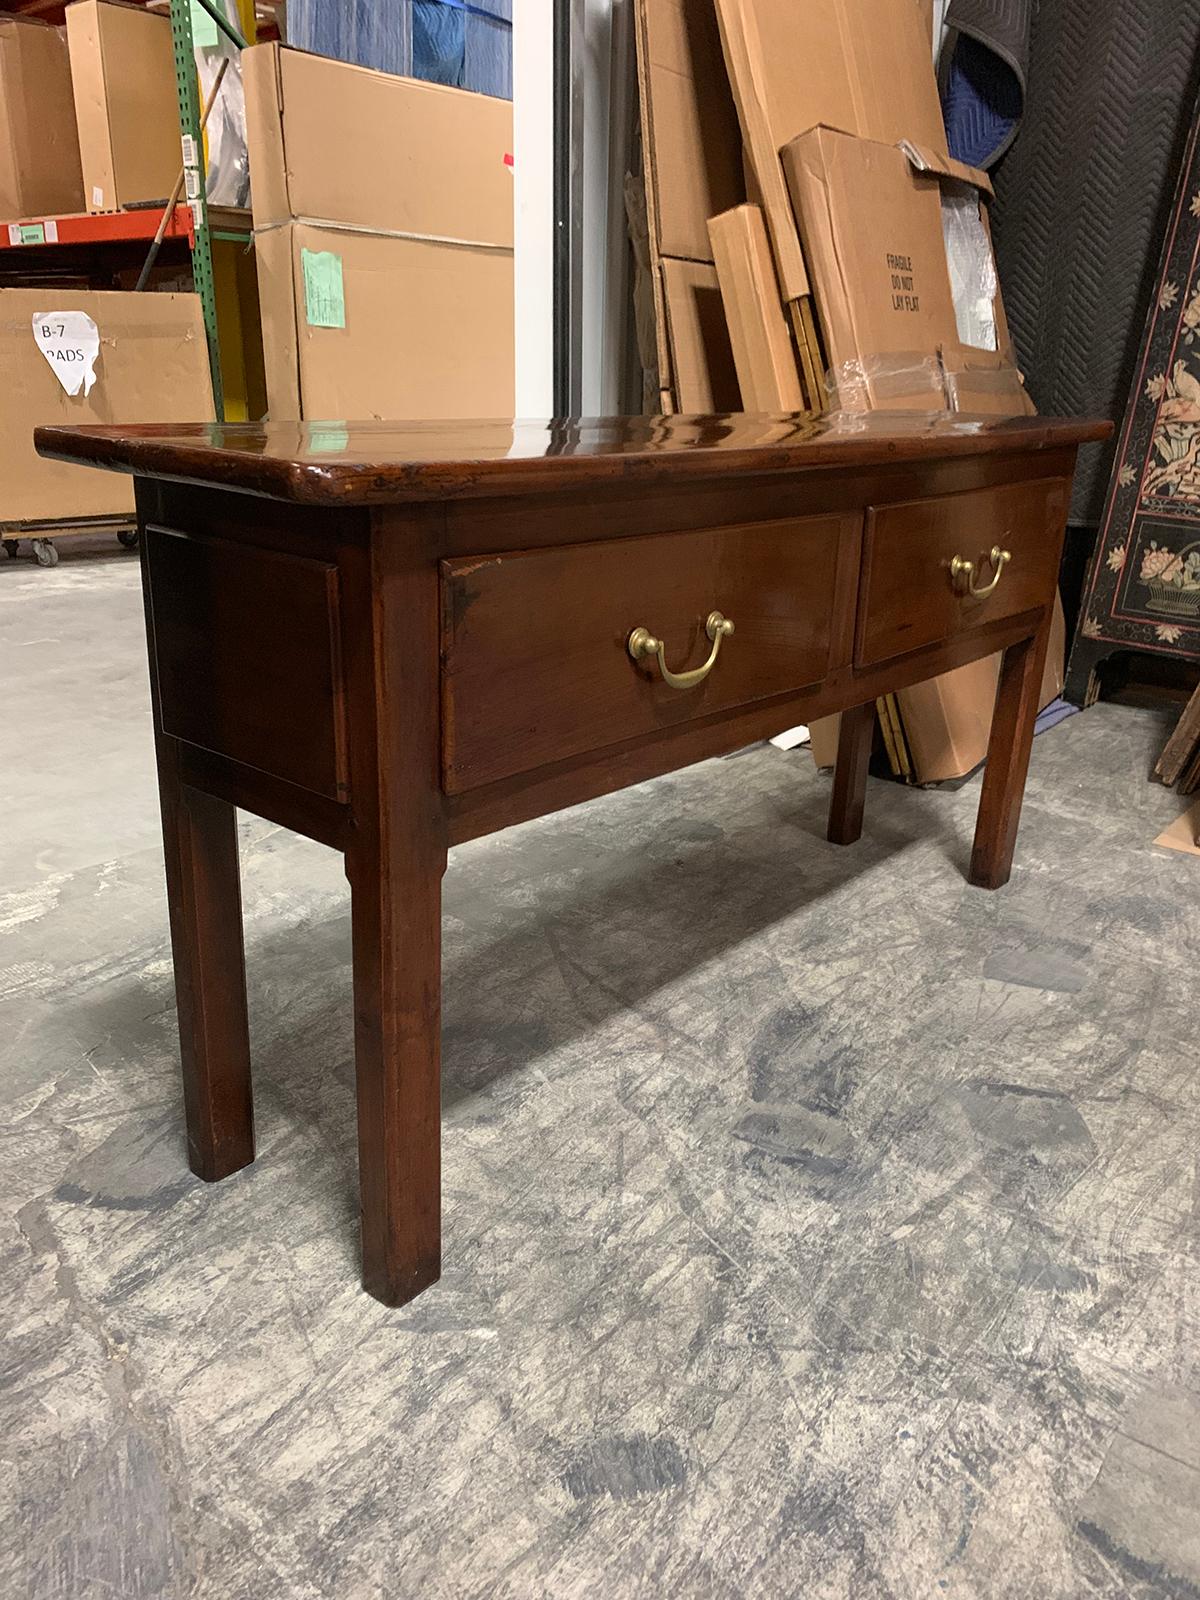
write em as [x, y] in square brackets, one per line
[327, 438]
[205, 33]
[324, 295]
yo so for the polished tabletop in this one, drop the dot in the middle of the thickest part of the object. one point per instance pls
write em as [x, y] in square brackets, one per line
[365, 463]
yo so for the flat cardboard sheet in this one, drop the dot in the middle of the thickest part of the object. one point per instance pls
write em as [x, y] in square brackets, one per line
[861, 65]
[383, 212]
[763, 355]
[691, 144]
[823, 739]
[803, 318]
[152, 367]
[692, 169]
[39, 148]
[704, 378]
[1181, 835]
[126, 112]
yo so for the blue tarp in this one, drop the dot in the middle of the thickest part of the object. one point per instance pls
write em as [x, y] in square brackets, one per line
[981, 103]
[466, 45]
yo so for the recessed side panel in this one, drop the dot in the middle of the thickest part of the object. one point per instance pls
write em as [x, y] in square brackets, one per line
[247, 644]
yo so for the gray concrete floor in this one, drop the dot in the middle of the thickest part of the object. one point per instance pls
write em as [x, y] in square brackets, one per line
[815, 1224]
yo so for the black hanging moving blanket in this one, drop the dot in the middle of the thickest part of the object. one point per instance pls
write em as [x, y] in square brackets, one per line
[1083, 195]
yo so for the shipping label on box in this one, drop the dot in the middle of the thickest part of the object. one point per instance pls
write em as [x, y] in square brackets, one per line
[324, 289]
[149, 359]
[70, 342]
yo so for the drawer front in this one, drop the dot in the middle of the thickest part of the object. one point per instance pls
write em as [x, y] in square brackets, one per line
[910, 596]
[536, 665]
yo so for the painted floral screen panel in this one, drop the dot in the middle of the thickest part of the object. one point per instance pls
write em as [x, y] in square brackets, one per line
[1143, 590]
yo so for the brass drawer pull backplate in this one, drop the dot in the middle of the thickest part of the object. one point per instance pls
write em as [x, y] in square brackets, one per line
[642, 644]
[963, 573]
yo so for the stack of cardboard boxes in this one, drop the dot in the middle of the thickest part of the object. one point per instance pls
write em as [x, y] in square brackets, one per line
[818, 128]
[383, 223]
[88, 114]
[850, 252]
[126, 110]
[39, 148]
[88, 122]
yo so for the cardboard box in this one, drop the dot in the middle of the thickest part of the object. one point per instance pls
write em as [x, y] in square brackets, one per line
[872, 233]
[946, 721]
[982, 382]
[690, 138]
[383, 219]
[704, 376]
[763, 354]
[152, 367]
[903, 274]
[126, 111]
[39, 149]
[861, 65]
[331, 142]
[692, 169]
[412, 329]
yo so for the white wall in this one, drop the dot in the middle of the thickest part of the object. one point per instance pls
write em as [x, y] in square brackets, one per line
[533, 202]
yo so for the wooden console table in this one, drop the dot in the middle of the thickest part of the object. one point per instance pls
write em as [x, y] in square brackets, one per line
[394, 637]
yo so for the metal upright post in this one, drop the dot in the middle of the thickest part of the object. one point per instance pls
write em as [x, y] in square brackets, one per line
[194, 187]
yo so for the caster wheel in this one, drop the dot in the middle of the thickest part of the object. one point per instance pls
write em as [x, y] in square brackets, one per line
[11, 546]
[128, 537]
[47, 555]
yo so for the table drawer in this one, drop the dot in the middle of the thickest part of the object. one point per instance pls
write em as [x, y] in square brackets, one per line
[911, 596]
[536, 664]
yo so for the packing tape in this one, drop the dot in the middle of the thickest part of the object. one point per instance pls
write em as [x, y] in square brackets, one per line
[867, 384]
[384, 233]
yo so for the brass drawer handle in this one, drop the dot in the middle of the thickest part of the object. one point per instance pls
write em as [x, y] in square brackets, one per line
[642, 643]
[962, 573]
